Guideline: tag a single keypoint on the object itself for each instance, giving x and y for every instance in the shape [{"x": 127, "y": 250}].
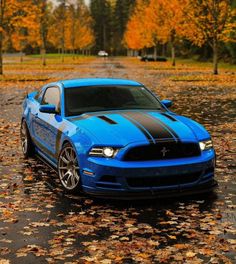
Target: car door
[{"x": 45, "y": 125}]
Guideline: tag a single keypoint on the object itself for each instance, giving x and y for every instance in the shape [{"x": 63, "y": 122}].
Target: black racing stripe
[
  {"x": 156, "y": 130},
  {"x": 165, "y": 125},
  {"x": 169, "y": 117},
  {"x": 107, "y": 119},
  {"x": 149, "y": 138}
]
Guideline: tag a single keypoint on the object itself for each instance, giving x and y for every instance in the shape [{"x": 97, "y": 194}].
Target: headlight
[
  {"x": 205, "y": 145},
  {"x": 107, "y": 152}
]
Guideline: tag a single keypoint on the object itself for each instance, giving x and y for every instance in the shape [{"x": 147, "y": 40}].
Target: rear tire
[
  {"x": 68, "y": 169},
  {"x": 26, "y": 142}
]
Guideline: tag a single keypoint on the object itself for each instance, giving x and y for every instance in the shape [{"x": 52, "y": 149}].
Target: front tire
[
  {"x": 68, "y": 169},
  {"x": 26, "y": 142}
]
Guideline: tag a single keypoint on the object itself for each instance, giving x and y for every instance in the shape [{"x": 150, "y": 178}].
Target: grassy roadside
[
  {"x": 188, "y": 64},
  {"x": 194, "y": 63},
  {"x": 32, "y": 70}
]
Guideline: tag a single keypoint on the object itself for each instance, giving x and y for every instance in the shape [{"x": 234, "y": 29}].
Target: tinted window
[
  {"x": 52, "y": 96},
  {"x": 101, "y": 98}
]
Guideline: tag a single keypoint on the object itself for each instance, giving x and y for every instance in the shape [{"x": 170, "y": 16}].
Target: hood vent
[
  {"x": 169, "y": 116},
  {"x": 108, "y": 120}
]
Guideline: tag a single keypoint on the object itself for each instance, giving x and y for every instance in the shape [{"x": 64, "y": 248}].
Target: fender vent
[
  {"x": 108, "y": 120},
  {"x": 169, "y": 116}
]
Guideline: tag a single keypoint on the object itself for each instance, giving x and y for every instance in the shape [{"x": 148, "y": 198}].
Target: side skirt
[{"x": 46, "y": 160}]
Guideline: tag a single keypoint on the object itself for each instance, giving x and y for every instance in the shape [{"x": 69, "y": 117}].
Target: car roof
[{"x": 97, "y": 81}]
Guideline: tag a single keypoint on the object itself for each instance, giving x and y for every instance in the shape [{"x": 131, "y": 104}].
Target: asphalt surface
[{"x": 39, "y": 223}]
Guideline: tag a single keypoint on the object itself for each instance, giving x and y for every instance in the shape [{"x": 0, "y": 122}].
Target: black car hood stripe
[
  {"x": 156, "y": 119},
  {"x": 145, "y": 132},
  {"x": 107, "y": 119},
  {"x": 156, "y": 129}
]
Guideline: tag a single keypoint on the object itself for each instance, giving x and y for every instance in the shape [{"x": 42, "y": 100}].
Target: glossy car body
[{"x": 157, "y": 151}]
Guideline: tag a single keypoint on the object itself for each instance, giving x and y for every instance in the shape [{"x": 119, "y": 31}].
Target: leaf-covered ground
[{"x": 41, "y": 224}]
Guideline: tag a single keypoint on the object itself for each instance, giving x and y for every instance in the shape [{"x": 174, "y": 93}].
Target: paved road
[{"x": 41, "y": 224}]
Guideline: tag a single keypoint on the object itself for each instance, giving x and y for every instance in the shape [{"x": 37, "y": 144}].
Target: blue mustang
[{"x": 113, "y": 137}]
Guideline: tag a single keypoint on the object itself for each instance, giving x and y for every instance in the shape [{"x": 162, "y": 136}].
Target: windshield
[{"x": 80, "y": 100}]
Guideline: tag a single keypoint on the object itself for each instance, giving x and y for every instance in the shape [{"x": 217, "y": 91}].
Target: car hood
[{"x": 124, "y": 127}]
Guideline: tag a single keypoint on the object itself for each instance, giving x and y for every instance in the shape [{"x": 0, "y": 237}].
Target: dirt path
[{"x": 40, "y": 224}]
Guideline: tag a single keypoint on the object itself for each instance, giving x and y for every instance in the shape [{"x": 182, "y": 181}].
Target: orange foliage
[
  {"x": 155, "y": 22},
  {"x": 160, "y": 21},
  {"x": 19, "y": 22},
  {"x": 138, "y": 34},
  {"x": 209, "y": 20},
  {"x": 74, "y": 31}
]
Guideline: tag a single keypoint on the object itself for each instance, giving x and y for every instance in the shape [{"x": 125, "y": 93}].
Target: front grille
[
  {"x": 163, "y": 151},
  {"x": 160, "y": 181}
]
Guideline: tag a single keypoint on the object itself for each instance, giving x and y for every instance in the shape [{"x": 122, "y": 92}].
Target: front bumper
[
  {"x": 147, "y": 179},
  {"x": 152, "y": 193}
]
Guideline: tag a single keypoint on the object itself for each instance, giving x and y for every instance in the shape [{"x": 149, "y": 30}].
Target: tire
[
  {"x": 68, "y": 169},
  {"x": 26, "y": 141}
]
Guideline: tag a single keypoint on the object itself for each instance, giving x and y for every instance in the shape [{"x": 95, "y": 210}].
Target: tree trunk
[
  {"x": 173, "y": 54},
  {"x": 143, "y": 52},
  {"x": 62, "y": 55},
  {"x": 104, "y": 37},
  {"x": 155, "y": 53},
  {"x": 1, "y": 64},
  {"x": 43, "y": 56},
  {"x": 21, "y": 56},
  {"x": 163, "y": 52},
  {"x": 215, "y": 57}
]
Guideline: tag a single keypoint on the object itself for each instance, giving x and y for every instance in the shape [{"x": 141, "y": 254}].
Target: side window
[{"x": 52, "y": 96}]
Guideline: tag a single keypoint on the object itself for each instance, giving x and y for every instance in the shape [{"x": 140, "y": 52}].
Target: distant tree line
[
  {"x": 206, "y": 28},
  {"x": 34, "y": 26},
  {"x": 110, "y": 20},
  {"x": 187, "y": 27}
]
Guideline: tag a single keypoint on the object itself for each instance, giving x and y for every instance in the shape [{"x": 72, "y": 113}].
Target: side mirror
[
  {"x": 167, "y": 103},
  {"x": 48, "y": 108}
]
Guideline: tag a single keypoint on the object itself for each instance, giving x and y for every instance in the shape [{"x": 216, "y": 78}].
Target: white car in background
[{"x": 102, "y": 53}]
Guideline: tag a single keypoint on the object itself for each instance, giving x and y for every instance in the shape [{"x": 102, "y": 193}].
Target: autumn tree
[
  {"x": 101, "y": 12},
  {"x": 84, "y": 37},
  {"x": 71, "y": 28},
  {"x": 166, "y": 19},
  {"x": 25, "y": 32},
  {"x": 2, "y": 16},
  {"x": 122, "y": 11},
  {"x": 43, "y": 19},
  {"x": 137, "y": 36},
  {"x": 212, "y": 22},
  {"x": 56, "y": 29},
  {"x": 14, "y": 14}
]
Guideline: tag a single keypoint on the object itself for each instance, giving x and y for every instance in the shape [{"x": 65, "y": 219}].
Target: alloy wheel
[
  {"x": 68, "y": 168},
  {"x": 24, "y": 137}
]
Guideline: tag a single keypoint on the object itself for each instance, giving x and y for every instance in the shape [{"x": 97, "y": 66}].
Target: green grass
[
  {"x": 200, "y": 64},
  {"x": 56, "y": 55}
]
